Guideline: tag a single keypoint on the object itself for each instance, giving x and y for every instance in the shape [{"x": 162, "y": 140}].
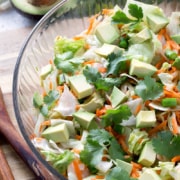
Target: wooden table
[{"x": 14, "y": 29}]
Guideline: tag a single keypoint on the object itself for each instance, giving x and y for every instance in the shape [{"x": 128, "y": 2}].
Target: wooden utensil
[
  {"x": 20, "y": 146},
  {"x": 5, "y": 170}
]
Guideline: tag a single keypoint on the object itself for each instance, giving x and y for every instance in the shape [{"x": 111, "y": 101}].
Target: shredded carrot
[
  {"x": 91, "y": 23},
  {"x": 77, "y": 169},
  {"x": 121, "y": 140},
  {"x": 60, "y": 88},
  {"x": 136, "y": 167},
  {"x": 92, "y": 61},
  {"x": 102, "y": 69},
  {"x": 134, "y": 97},
  {"x": 161, "y": 33},
  {"x": 78, "y": 107},
  {"x": 107, "y": 11},
  {"x": 175, "y": 159},
  {"x": 174, "y": 126},
  {"x": 50, "y": 61},
  {"x": 32, "y": 136},
  {"x": 110, "y": 130},
  {"x": 171, "y": 93},
  {"x": 87, "y": 46},
  {"x": 99, "y": 177},
  {"x": 50, "y": 85},
  {"x": 78, "y": 37},
  {"x": 78, "y": 137},
  {"x": 138, "y": 108},
  {"x": 77, "y": 151},
  {"x": 158, "y": 128},
  {"x": 45, "y": 123},
  {"x": 44, "y": 93},
  {"x": 100, "y": 112}
]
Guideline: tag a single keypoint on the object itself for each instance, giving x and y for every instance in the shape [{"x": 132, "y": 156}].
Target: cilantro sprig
[
  {"x": 98, "y": 143},
  {"x": 101, "y": 83},
  {"x": 149, "y": 89},
  {"x": 134, "y": 10},
  {"x": 114, "y": 117},
  {"x": 166, "y": 144}
]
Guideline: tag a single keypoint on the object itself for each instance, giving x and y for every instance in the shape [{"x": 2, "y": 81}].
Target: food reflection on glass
[{"x": 110, "y": 99}]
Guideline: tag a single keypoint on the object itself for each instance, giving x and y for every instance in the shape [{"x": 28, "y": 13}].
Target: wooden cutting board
[{"x": 14, "y": 29}]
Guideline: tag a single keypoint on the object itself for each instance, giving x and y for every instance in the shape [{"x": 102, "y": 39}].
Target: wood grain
[
  {"x": 17, "y": 142},
  {"x": 5, "y": 170}
]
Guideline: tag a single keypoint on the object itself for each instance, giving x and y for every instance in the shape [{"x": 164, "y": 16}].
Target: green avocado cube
[
  {"x": 107, "y": 32},
  {"x": 149, "y": 174},
  {"x": 156, "y": 22},
  {"x": 148, "y": 155},
  {"x": 124, "y": 165},
  {"x": 80, "y": 86},
  {"x": 117, "y": 97},
  {"x": 45, "y": 70},
  {"x": 57, "y": 133},
  {"x": 141, "y": 69},
  {"x": 176, "y": 38},
  {"x": 146, "y": 119},
  {"x": 141, "y": 36},
  {"x": 107, "y": 49},
  {"x": 84, "y": 118}
]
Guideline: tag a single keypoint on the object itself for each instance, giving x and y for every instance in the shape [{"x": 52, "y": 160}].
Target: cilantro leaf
[
  {"x": 166, "y": 144},
  {"x": 51, "y": 98},
  {"x": 107, "y": 83},
  {"x": 101, "y": 83},
  {"x": 98, "y": 143},
  {"x": 59, "y": 161},
  {"x": 92, "y": 74},
  {"x": 114, "y": 117},
  {"x": 120, "y": 18},
  {"x": 135, "y": 11},
  {"x": 116, "y": 64},
  {"x": 118, "y": 173},
  {"x": 66, "y": 63},
  {"x": 149, "y": 89}
]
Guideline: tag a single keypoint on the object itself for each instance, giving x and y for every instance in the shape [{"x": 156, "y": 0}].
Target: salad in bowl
[{"x": 109, "y": 102}]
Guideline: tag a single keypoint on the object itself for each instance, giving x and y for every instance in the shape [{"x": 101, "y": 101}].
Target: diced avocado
[
  {"x": 95, "y": 101},
  {"x": 140, "y": 37},
  {"x": 84, "y": 118},
  {"x": 148, "y": 155},
  {"x": 174, "y": 26},
  {"x": 107, "y": 49},
  {"x": 156, "y": 22},
  {"x": 117, "y": 97},
  {"x": 107, "y": 32},
  {"x": 141, "y": 69},
  {"x": 146, "y": 119},
  {"x": 124, "y": 165},
  {"x": 37, "y": 100},
  {"x": 146, "y": 8},
  {"x": 176, "y": 38},
  {"x": 57, "y": 133},
  {"x": 149, "y": 174},
  {"x": 80, "y": 86},
  {"x": 45, "y": 70}
]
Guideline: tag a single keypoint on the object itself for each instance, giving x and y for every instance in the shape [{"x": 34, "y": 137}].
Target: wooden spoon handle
[
  {"x": 19, "y": 145},
  {"x": 5, "y": 170}
]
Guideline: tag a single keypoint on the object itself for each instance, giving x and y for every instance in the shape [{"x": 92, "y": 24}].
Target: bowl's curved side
[{"x": 68, "y": 18}]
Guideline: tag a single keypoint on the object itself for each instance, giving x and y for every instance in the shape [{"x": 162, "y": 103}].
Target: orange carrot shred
[
  {"x": 123, "y": 144},
  {"x": 102, "y": 69},
  {"x": 158, "y": 128},
  {"x": 175, "y": 159},
  {"x": 174, "y": 126},
  {"x": 77, "y": 169}
]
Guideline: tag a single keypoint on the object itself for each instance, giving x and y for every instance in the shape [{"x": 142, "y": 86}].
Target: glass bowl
[{"x": 68, "y": 18}]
